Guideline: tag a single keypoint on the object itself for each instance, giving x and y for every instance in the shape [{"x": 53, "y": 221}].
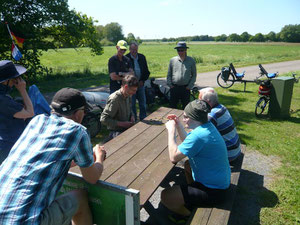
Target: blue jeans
[{"x": 141, "y": 97}]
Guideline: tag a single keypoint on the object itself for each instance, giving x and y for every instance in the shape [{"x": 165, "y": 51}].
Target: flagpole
[{"x": 9, "y": 33}]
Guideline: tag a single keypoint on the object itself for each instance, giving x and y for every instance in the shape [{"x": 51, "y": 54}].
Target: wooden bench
[{"x": 219, "y": 215}]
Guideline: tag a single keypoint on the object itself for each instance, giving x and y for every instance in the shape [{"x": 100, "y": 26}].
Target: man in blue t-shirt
[
  {"x": 12, "y": 113},
  {"x": 221, "y": 118},
  {"x": 207, "y": 170}
]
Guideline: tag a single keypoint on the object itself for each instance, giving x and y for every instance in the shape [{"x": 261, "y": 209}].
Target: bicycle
[
  {"x": 229, "y": 76},
  {"x": 262, "y": 105}
]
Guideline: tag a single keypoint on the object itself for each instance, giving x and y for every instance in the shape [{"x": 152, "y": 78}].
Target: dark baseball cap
[{"x": 67, "y": 100}]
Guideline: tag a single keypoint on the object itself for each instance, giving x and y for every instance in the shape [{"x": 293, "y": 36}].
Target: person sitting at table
[
  {"x": 38, "y": 164},
  {"x": 117, "y": 114},
  {"x": 12, "y": 113},
  {"x": 221, "y": 118},
  {"x": 207, "y": 170}
]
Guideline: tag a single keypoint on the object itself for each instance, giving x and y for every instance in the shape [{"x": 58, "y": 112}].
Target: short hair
[
  {"x": 134, "y": 43},
  {"x": 209, "y": 95},
  {"x": 130, "y": 80}
]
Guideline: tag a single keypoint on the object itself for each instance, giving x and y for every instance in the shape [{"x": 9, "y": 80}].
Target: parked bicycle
[
  {"x": 264, "y": 91},
  {"x": 229, "y": 76}
]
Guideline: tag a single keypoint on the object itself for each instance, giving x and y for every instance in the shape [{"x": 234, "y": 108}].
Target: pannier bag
[
  {"x": 264, "y": 88},
  {"x": 225, "y": 71}
]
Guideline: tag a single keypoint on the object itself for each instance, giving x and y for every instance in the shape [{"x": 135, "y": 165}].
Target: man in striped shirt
[
  {"x": 38, "y": 164},
  {"x": 223, "y": 121}
]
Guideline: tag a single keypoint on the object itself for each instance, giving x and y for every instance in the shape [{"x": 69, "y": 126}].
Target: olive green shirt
[
  {"x": 118, "y": 108},
  {"x": 182, "y": 73}
]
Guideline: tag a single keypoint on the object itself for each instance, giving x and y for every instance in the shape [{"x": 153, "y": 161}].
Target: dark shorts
[{"x": 197, "y": 195}]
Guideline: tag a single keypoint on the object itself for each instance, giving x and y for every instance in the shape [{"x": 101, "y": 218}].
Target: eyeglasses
[
  {"x": 123, "y": 50},
  {"x": 181, "y": 50},
  {"x": 185, "y": 116}
]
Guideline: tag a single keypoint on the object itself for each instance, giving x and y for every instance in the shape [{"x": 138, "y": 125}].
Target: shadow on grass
[{"x": 251, "y": 197}]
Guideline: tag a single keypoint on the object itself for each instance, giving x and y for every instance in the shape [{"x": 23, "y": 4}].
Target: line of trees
[{"x": 289, "y": 33}]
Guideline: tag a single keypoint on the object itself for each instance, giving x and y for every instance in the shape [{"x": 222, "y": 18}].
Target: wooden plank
[
  {"x": 221, "y": 213},
  {"x": 128, "y": 135},
  {"x": 150, "y": 179},
  {"x": 150, "y": 147}
]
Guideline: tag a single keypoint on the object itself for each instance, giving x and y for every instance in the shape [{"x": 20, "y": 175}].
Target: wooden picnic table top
[{"x": 138, "y": 158}]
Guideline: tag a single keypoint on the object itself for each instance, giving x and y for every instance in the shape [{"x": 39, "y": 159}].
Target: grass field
[
  {"x": 278, "y": 138},
  {"x": 209, "y": 57}
]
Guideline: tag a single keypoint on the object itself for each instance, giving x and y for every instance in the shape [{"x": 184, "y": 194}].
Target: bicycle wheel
[
  {"x": 262, "y": 106},
  {"x": 225, "y": 84}
]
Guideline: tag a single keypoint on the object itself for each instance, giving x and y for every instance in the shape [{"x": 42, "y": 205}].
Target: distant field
[{"x": 209, "y": 56}]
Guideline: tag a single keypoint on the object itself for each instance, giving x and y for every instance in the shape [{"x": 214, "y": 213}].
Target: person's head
[
  {"x": 70, "y": 103},
  {"x": 195, "y": 113},
  {"x": 129, "y": 85},
  {"x": 181, "y": 48},
  {"x": 121, "y": 47},
  {"x": 133, "y": 48},
  {"x": 9, "y": 72},
  {"x": 209, "y": 95}
]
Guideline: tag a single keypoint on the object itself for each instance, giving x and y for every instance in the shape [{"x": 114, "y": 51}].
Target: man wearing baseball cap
[
  {"x": 207, "y": 170},
  {"x": 12, "y": 113},
  {"x": 38, "y": 164},
  {"x": 119, "y": 66}
]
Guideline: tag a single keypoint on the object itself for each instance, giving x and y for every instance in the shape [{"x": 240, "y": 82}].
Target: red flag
[{"x": 18, "y": 41}]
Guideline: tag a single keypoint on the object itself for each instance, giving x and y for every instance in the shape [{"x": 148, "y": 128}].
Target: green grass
[
  {"x": 270, "y": 137},
  {"x": 279, "y": 138},
  {"x": 209, "y": 57}
]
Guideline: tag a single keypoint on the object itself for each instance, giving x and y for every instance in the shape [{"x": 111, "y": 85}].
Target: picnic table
[{"x": 138, "y": 159}]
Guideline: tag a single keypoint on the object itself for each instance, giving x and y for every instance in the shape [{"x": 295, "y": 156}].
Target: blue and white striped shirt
[
  {"x": 223, "y": 121},
  {"x": 37, "y": 165}
]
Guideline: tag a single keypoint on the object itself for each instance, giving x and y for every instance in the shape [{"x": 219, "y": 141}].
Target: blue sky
[{"x": 175, "y": 18}]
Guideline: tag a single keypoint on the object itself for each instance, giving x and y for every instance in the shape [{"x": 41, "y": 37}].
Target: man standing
[
  {"x": 181, "y": 76},
  {"x": 223, "y": 121},
  {"x": 117, "y": 114},
  {"x": 38, "y": 164},
  {"x": 12, "y": 113},
  {"x": 119, "y": 66},
  {"x": 142, "y": 73}
]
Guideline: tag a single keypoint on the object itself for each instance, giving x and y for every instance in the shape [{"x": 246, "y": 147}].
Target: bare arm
[
  {"x": 182, "y": 133},
  {"x": 27, "y": 111},
  {"x": 93, "y": 173},
  {"x": 174, "y": 154}
]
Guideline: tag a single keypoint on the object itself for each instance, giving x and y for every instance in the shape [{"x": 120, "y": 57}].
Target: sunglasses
[{"x": 181, "y": 50}]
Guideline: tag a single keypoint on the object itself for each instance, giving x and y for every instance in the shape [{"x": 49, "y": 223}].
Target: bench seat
[{"x": 219, "y": 215}]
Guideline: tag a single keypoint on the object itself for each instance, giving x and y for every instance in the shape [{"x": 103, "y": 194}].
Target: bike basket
[
  {"x": 264, "y": 88},
  {"x": 225, "y": 71}
]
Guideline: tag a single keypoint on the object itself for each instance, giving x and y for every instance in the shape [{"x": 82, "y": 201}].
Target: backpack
[
  {"x": 150, "y": 95},
  {"x": 91, "y": 120}
]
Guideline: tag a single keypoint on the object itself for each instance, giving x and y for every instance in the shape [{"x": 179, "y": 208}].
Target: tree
[
  {"x": 130, "y": 38},
  {"x": 245, "y": 36},
  {"x": 222, "y": 37},
  {"x": 271, "y": 36},
  {"x": 234, "y": 38},
  {"x": 259, "y": 37},
  {"x": 290, "y": 33},
  {"x": 44, "y": 25},
  {"x": 113, "y": 32}
]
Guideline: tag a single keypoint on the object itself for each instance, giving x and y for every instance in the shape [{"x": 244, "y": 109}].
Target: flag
[
  {"x": 15, "y": 52},
  {"x": 17, "y": 40}
]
